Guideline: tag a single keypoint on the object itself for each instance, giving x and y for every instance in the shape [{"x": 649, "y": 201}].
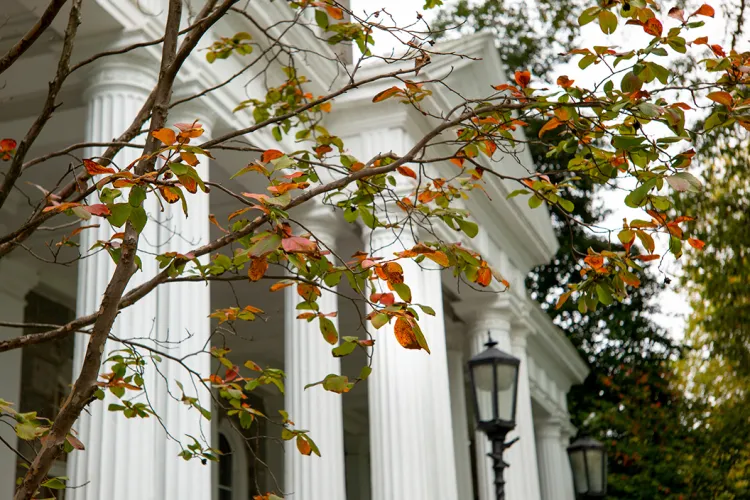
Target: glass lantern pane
[
  {"x": 506, "y": 385},
  {"x": 483, "y": 386},
  {"x": 578, "y": 464},
  {"x": 595, "y": 463}
]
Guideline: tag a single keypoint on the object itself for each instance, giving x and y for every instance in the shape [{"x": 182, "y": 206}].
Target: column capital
[
  {"x": 194, "y": 110},
  {"x": 550, "y": 427},
  {"x": 488, "y": 310},
  {"x": 129, "y": 73}
]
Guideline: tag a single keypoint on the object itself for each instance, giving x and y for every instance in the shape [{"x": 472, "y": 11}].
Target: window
[
  {"x": 46, "y": 374},
  {"x": 226, "y": 474}
]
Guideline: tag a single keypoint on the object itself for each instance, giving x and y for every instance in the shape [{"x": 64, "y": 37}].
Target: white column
[
  {"x": 551, "y": 470},
  {"x": 183, "y": 324},
  {"x": 438, "y": 398},
  {"x": 461, "y": 441},
  {"x": 17, "y": 280},
  {"x": 116, "y": 448},
  {"x": 308, "y": 359},
  {"x": 402, "y": 451},
  {"x": 526, "y": 446},
  {"x": 134, "y": 458},
  {"x": 567, "y": 472},
  {"x": 494, "y": 317}
]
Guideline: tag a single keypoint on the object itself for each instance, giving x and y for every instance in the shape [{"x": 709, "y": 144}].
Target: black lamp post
[
  {"x": 494, "y": 382},
  {"x": 588, "y": 460}
]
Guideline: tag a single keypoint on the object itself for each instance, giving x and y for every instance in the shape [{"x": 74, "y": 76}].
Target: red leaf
[
  {"x": 99, "y": 209},
  {"x": 93, "y": 168},
  {"x": 677, "y": 13},
  {"x": 7, "y": 145},
  {"x": 653, "y": 27},
  {"x": 271, "y": 154},
  {"x": 705, "y": 10},
  {"x": 522, "y": 78},
  {"x": 647, "y": 258},
  {"x": 298, "y": 244}
]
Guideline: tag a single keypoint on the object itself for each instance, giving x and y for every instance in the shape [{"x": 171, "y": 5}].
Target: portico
[{"x": 406, "y": 432}]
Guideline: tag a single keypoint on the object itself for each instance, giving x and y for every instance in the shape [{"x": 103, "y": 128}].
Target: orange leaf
[
  {"x": 439, "y": 258},
  {"x": 564, "y": 81},
  {"x": 279, "y": 286},
  {"x": 258, "y": 267},
  {"x": 721, "y": 97},
  {"x": 522, "y": 78},
  {"x": 287, "y": 186},
  {"x": 595, "y": 261},
  {"x": 189, "y": 158},
  {"x": 705, "y": 10},
  {"x": 550, "y": 125},
  {"x": 165, "y": 135},
  {"x": 406, "y": 171},
  {"x": 335, "y": 12},
  {"x": 170, "y": 194},
  {"x": 696, "y": 243},
  {"x": 271, "y": 154},
  {"x": 701, "y": 40},
  {"x": 647, "y": 258},
  {"x": 653, "y": 27},
  {"x": 484, "y": 276},
  {"x": 303, "y": 446},
  {"x": 404, "y": 332},
  {"x": 93, "y": 168},
  {"x": 382, "y": 96}
]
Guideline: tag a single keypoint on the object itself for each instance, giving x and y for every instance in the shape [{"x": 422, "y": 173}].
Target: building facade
[{"x": 405, "y": 433}]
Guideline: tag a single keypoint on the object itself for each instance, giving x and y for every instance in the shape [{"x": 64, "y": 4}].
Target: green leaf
[
  {"x": 607, "y": 22},
  {"x": 344, "y": 349},
  {"x": 379, "y": 320},
  {"x": 365, "y": 372},
  {"x": 471, "y": 229},
  {"x": 535, "y": 202},
  {"x": 588, "y": 15},
  {"x": 119, "y": 213},
  {"x": 636, "y": 197},
  {"x": 137, "y": 196},
  {"x": 403, "y": 291},
  {"x": 427, "y": 309},
  {"x": 138, "y": 218},
  {"x": 605, "y": 296},
  {"x": 263, "y": 244},
  {"x": 55, "y": 483},
  {"x": 336, "y": 383},
  {"x": 321, "y": 18},
  {"x": 328, "y": 329}
]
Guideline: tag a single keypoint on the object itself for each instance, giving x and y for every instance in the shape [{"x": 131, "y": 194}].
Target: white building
[{"x": 407, "y": 432}]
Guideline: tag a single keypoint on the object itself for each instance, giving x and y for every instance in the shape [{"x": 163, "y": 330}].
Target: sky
[{"x": 673, "y": 304}]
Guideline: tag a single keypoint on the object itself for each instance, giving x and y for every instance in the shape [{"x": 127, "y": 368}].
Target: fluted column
[
  {"x": 136, "y": 458},
  {"x": 184, "y": 326},
  {"x": 402, "y": 451},
  {"x": 526, "y": 446},
  {"x": 308, "y": 359},
  {"x": 117, "y": 448},
  {"x": 461, "y": 441},
  {"x": 492, "y": 316},
  {"x": 438, "y": 399},
  {"x": 550, "y": 459}
]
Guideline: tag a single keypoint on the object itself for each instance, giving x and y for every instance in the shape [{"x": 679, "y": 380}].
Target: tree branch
[{"x": 32, "y": 35}]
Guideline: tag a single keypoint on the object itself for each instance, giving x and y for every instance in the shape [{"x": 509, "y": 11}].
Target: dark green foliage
[{"x": 531, "y": 34}]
